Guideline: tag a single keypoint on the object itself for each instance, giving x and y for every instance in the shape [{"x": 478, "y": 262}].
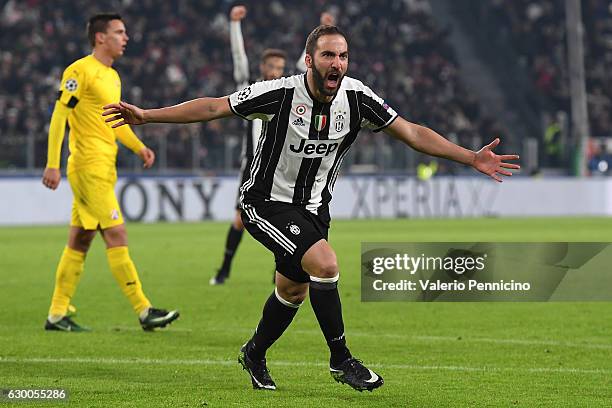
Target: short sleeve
[
  {"x": 375, "y": 113},
  {"x": 72, "y": 86},
  {"x": 260, "y": 100}
]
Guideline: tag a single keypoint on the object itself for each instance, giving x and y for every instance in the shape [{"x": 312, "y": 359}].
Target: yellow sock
[
  {"x": 67, "y": 277},
  {"x": 125, "y": 273}
]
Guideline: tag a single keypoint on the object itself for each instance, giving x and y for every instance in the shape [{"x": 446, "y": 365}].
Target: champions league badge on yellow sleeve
[{"x": 71, "y": 85}]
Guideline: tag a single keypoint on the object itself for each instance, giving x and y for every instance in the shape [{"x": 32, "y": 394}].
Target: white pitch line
[{"x": 207, "y": 362}]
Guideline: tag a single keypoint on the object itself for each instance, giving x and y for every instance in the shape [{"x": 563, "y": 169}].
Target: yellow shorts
[{"x": 94, "y": 201}]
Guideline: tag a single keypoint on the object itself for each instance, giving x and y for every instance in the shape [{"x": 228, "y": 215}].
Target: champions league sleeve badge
[
  {"x": 243, "y": 95},
  {"x": 71, "y": 85}
]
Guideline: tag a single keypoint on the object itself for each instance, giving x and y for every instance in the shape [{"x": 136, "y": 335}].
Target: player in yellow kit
[{"x": 88, "y": 84}]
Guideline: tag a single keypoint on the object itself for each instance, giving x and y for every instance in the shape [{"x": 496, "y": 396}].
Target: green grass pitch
[{"x": 430, "y": 354}]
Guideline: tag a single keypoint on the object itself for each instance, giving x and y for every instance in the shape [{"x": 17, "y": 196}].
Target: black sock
[
  {"x": 275, "y": 318},
  {"x": 233, "y": 239},
  {"x": 325, "y": 302}
]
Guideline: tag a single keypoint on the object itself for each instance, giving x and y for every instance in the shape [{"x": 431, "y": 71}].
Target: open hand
[
  {"x": 124, "y": 113},
  {"x": 491, "y": 164}
]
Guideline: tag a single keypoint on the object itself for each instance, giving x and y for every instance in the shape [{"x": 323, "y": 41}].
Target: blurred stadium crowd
[
  {"x": 537, "y": 30},
  {"x": 180, "y": 50}
]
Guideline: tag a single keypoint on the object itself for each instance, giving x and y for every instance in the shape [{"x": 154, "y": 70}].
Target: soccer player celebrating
[
  {"x": 87, "y": 84},
  {"x": 272, "y": 66},
  {"x": 310, "y": 121}
]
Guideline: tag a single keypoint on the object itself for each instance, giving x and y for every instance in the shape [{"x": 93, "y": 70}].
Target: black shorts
[
  {"x": 288, "y": 231},
  {"x": 245, "y": 172}
]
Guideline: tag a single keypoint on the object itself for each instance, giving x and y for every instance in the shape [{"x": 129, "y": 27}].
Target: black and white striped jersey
[{"x": 303, "y": 141}]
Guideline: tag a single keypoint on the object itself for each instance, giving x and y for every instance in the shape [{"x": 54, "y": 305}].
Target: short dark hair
[
  {"x": 320, "y": 31},
  {"x": 273, "y": 52},
  {"x": 98, "y": 24}
]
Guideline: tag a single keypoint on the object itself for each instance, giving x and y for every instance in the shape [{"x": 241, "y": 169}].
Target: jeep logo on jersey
[
  {"x": 313, "y": 148},
  {"x": 320, "y": 122}
]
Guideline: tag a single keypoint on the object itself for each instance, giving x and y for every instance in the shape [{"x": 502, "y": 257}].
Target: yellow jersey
[{"x": 87, "y": 85}]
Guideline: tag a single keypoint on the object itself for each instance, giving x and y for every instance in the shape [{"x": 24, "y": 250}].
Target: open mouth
[{"x": 332, "y": 80}]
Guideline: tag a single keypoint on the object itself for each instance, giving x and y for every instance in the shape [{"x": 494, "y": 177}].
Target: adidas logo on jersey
[{"x": 298, "y": 122}]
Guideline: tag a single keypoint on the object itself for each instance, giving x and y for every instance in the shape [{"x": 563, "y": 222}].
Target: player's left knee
[{"x": 328, "y": 269}]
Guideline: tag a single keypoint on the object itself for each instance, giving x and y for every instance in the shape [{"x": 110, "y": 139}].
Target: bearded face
[
  {"x": 327, "y": 82},
  {"x": 329, "y": 64}
]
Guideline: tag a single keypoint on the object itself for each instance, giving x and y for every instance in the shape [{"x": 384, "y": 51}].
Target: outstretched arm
[
  {"x": 239, "y": 56},
  {"x": 427, "y": 141},
  {"x": 195, "y": 110}
]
